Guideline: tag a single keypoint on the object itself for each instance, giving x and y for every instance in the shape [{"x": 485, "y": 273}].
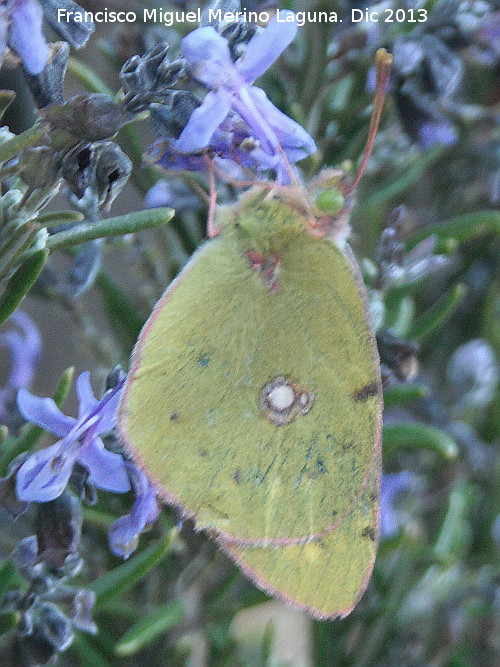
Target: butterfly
[{"x": 254, "y": 398}]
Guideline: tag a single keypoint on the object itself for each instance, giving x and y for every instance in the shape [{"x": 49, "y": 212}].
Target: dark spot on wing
[
  {"x": 347, "y": 445},
  {"x": 203, "y": 360},
  {"x": 174, "y": 416},
  {"x": 203, "y": 452},
  {"x": 365, "y": 392},
  {"x": 321, "y": 467},
  {"x": 369, "y": 531},
  {"x": 237, "y": 476}
]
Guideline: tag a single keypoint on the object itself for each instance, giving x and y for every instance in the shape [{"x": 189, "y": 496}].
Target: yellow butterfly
[{"x": 254, "y": 399}]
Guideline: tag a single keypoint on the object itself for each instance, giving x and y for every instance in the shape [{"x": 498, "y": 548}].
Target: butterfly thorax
[
  {"x": 267, "y": 221},
  {"x": 260, "y": 223}
]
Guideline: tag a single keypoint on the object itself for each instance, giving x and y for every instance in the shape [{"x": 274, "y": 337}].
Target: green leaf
[
  {"x": 19, "y": 284},
  {"x": 88, "y": 654},
  {"x": 267, "y": 643},
  {"x": 88, "y": 77},
  {"x": 434, "y": 318},
  {"x": 9, "y": 578},
  {"x": 6, "y": 99},
  {"x": 491, "y": 317},
  {"x": 124, "y": 576},
  {"x": 399, "y": 312},
  {"x": 27, "y": 441},
  {"x": 8, "y": 620},
  {"x": 11, "y": 147},
  {"x": 123, "y": 224},
  {"x": 121, "y": 314},
  {"x": 463, "y": 227},
  {"x": 220, "y": 634},
  {"x": 415, "y": 436},
  {"x": 375, "y": 637},
  {"x": 399, "y": 394},
  {"x": 455, "y": 530},
  {"x": 59, "y": 218},
  {"x": 12, "y": 251},
  {"x": 150, "y": 627},
  {"x": 399, "y": 186},
  {"x": 98, "y": 518}
]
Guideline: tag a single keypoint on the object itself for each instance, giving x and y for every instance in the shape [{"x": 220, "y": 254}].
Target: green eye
[{"x": 330, "y": 202}]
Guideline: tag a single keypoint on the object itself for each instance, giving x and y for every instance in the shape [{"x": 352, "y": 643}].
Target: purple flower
[
  {"x": 172, "y": 192},
  {"x": 45, "y": 474},
  {"x": 21, "y": 29},
  {"x": 123, "y": 534},
  {"x": 490, "y": 33},
  {"x": 162, "y": 153},
  {"x": 24, "y": 346},
  {"x": 437, "y": 132},
  {"x": 233, "y": 147},
  {"x": 393, "y": 484},
  {"x": 231, "y": 89}
]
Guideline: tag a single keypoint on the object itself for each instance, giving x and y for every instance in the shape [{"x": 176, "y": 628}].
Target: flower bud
[
  {"x": 170, "y": 119},
  {"x": 397, "y": 356},
  {"x": 71, "y": 30},
  {"x": 54, "y": 626},
  {"x": 112, "y": 170},
  {"x": 88, "y": 117},
  {"x": 58, "y": 527},
  {"x": 47, "y": 87}
]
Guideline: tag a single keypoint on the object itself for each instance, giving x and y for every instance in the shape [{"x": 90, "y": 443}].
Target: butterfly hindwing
[{"x": 325, "y": 576}]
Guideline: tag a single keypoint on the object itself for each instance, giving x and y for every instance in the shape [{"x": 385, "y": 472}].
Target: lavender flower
[
  {"x": 161, "y": 152},
  {"x": 21, "y": 27},
  {"x": 232, "y": 145},
  {"x": 437, "y": 132},
  {"x": 395, "y": 265},
  {"x": 231, "y": 89},
  {"x": 124, "y": 533},
  {"x": 490, "y": 34},
  {"x": 45, "y": 474},
  {"x": 174, "y": 193},
  {"x": 24, "y": 346},
  {"x": 393, "y": 484}
]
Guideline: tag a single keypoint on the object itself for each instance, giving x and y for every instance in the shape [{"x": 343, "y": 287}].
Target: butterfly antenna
[
  {"x": 383, "y": 64},
  {"x": 212, "y": 230},
  {"x": 290, "y": 169}
]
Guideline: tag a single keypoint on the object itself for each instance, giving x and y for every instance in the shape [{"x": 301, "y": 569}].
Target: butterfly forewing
[{"x": 257, "y": 410}]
